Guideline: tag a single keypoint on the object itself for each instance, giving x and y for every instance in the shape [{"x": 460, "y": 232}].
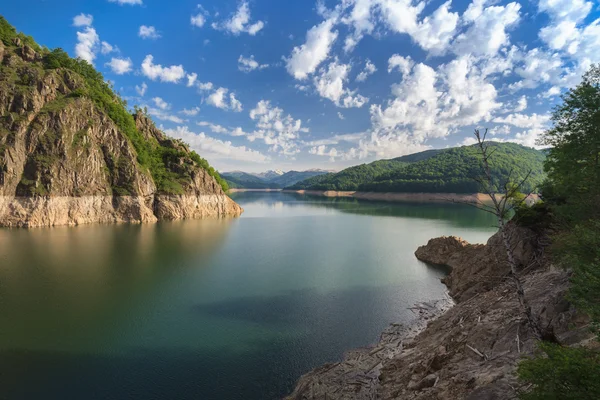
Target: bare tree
[{"x": 504, "y": 198}]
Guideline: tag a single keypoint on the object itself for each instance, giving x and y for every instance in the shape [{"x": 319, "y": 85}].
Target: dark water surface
[{"x": 212, "y": 309}]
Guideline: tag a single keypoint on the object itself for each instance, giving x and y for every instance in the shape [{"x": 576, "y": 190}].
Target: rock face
[
  {"x": 65, "y": 161},
  {"x": 478, "y": 268},
  {"x": 470, "y": 351}
]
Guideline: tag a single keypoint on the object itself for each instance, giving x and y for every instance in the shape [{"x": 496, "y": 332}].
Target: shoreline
[
  {"x": 357, "y": 374},
  {"x": 253, "y": 190},
  {"x": 395, "y": 196}
]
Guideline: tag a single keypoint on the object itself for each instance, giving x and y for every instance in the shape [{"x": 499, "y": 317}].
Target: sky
[{"x": 297, "y": 84}]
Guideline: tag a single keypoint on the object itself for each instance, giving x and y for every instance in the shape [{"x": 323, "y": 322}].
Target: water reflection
[
  {"x": 460, "y": 215},
  {"x": 69, "y": 287},
  {"x": 212, "y": 309}
]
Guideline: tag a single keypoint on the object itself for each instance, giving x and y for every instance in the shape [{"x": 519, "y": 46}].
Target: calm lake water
[{"x": 212, "y": 309}]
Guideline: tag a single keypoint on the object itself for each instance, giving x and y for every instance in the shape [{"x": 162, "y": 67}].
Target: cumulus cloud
[
  {"x": 216, "y": 149},
  {"x": 250, "y": 64},
  {"x": 198, "y": 20},
  {"x": 402, "y": 64},
  {"x": 106, "y": 48},
  {"x": 160, "y": 103},
  {"x": 277, "y": 130},
  {"x": 222, "y": 130},
  {"x": 323, "y": 150},
  {"x": 153, "y": 71},
  {"x": 220, "y": 99},
  {"x": 164, "y": 115},
  {"x": 305, "y": 59},
  {"x": 369, "y": 69},
  {"x": 329, "y": 83},
  {"x": 141, "y": 90},
  {"x": 120, "y": 66},
  {"x": 83, "y": 20},
  {"x": 240, "y": 22},
  {"x": 487, "y": 31},
  {"x": 191, "y": 79},
  {"x": 87, "y": 44},
  {"x": 148, "y": 32},
  {"x": 191, "y": 112}
]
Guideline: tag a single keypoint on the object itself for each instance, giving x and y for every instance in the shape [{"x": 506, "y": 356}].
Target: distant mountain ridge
[
  {"x": 273, "y": 179},
  {"x": 434, "y": 171}
]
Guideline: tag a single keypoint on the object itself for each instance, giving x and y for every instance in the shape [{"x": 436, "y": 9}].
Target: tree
[{"x": 505, "y": 197}]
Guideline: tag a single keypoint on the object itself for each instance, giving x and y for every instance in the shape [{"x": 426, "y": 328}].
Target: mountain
[
  {"x": 272, "y": 174},
  {"x": 292, "y": 177},
  {"x": 243, "y": 180},
  {"x": 442, "y": 171},
  {"x": 71, "y": 153},
  {"x": 268, "y": 180}
]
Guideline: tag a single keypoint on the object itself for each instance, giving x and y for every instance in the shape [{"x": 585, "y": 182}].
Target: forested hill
[{"x": 435, "y": 171}]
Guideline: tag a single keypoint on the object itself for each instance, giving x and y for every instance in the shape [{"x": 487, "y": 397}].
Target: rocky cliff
[
  {"x": 70, "y": 153},
  {"x": 471, "y": 350}
]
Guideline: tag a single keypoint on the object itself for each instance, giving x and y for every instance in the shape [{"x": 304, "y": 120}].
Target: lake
[{"x": 213, "y": 309}]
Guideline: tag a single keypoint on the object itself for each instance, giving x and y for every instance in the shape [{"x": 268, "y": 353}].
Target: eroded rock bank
[
  {"x": 471, "y": 350},
  {"x": 68, "y": 159}
]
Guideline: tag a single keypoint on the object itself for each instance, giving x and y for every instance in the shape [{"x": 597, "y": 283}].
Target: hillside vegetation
[
  {"x": 435, "y": 171},
  {"x": 157, "y": 157}
]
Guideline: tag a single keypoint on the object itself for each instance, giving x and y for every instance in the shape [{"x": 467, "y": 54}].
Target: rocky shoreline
[
  {"x": 31, "y": 212},
  {"x": 466, "y": 351},
  {"x": 414, "y": 197}
]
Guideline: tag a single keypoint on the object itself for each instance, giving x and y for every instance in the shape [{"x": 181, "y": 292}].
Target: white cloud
[
  {"x": 219, "y": 99},
  {"x": 329, "y": 83},
  {"x": 153, "y": 71},
  {"x": 573, "y": 10},
  {"x": 521, "y": 104},
  {"x": 120, "y": 66},
  {"x": 129, "y": 2},
  {"x": 524, "y": 121},
  {"x": 204, "y": 86},
  {"x": 222, "y": 130},
  {"x": 341, "y": 116},
  {"x": 198, "y": 20},
  {"x": 552, "y": 92},
  {"x": 240, "y": 22},
  {"x": 83, "y": 20},
  {"x": 87, "y": 44},
  {"x": 148, "y": 32},
  {"x": 276, "y": 129},
  {"x": 191, "y": 79},
  {"x": 141, "y": 90},
  {"x": 160, "y": 103},
  {"x": 322, "y": 150},
  {"x": 403, "y": 64},
  {"x": 305, "y": 59},
  {"x": 250, "y": 64},
  {"x": 487, "y": 32},
  {"x": 163, "y": 115},
  {"x": 106, "y": 48},
  {"x": 191, "y": 112},
  {"x": 211, "y": 148},
  {"x": 370, "y": 69}
]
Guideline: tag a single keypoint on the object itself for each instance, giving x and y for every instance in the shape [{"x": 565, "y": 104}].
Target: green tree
[{"x": 572, "y": 191}]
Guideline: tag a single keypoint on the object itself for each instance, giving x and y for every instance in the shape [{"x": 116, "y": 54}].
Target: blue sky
[{"x": 298, "y": 84}]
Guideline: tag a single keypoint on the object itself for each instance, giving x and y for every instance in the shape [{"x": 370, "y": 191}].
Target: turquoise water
[{"x": 212, "y": 309}]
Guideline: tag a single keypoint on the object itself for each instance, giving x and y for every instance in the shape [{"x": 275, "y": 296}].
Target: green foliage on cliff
[
  {"x": 151, "y": 155},
  {"x": 442, "y": 171},
  {"x": 561, "y": 373},
  {"x": 572, "y": 193}
]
